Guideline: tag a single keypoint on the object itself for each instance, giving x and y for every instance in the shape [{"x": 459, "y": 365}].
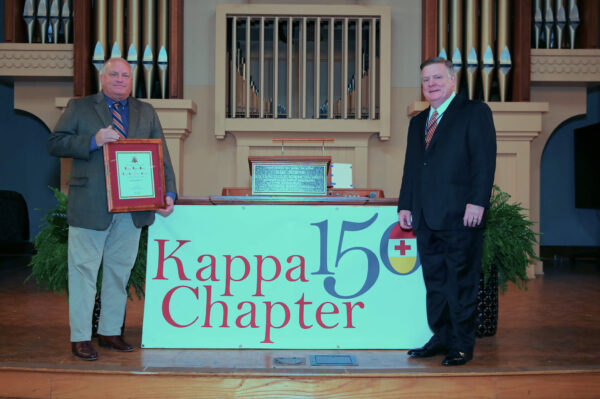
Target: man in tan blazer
[{"x": 95, "y": 235}]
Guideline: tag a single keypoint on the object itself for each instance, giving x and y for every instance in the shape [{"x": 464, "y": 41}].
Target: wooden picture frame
[{"x": 135, "y": 176}]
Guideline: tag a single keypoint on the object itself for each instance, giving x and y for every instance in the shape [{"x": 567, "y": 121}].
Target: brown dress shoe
[
  {"x": 84, "y": 350},
  {"x": 114, "y": 342}
]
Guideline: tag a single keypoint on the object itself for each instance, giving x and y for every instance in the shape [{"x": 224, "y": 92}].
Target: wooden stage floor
[{"x": 547, "y": 346}]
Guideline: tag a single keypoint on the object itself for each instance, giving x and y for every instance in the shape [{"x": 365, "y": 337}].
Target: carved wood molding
[
  {"x": 555, "y": 65},
  {"x": 36, "y": 60}
]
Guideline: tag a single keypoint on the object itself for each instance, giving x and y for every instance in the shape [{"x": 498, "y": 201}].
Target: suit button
[{"x": 424, "y": 163}]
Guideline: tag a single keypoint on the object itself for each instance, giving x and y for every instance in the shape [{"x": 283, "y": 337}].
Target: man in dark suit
[
  {"x": 95, "y": 235},
  {"x": 446, "y": 186}
]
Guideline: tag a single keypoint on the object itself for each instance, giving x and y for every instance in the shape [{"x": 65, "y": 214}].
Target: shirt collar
[
  {"x": 112, "y": 102},
  {"x": 442, "y": 108}
]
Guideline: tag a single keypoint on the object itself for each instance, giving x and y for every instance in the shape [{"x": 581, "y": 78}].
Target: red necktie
[
  {"x": 117, "y": 120},
  {"x": 431, "y": 128}
]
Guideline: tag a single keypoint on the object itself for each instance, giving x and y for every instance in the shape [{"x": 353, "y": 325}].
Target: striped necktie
[
  {"x": 118, "y": 120},
  {"x": 433, "y": 122}
]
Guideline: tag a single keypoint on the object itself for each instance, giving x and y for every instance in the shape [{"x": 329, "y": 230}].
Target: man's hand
[
  {"x": 164, "y": 212},
  {"x": 107, "y": 135},
  {"x": 473, "y": 215},
  {"x": 405, "y": 219}
]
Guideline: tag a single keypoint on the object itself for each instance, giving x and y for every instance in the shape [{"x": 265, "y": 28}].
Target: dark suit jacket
[
  {"x": 87, "y": 206},
  {"x": 457, "y": 168}
]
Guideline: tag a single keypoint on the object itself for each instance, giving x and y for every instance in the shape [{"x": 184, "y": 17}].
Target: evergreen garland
[
  {"x": 509, "y": 241},
  {"x": 49, "y": 266}
]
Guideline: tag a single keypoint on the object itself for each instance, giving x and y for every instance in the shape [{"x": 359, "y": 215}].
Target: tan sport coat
[{"x": 83, "y": 117}]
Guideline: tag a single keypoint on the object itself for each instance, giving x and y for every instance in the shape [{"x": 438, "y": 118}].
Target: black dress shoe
[
  {"x": 84, "y": 350},
  {"x": 426, "y": 351},
  {"x": 114, "y": 342},
  {"x": 456, "y": 358}
]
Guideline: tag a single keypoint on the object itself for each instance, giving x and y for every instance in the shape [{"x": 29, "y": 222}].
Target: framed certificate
[{"x": 135, "y": 176}]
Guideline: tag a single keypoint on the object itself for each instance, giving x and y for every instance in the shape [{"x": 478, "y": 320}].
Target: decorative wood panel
[
  {"x": 429, "y": 27},
  {"x": 82, "y": 41},
  {"x": 588, "y": 32},
  {"x": 238, "y": 120},
  {"x": 579, "y": 65},
  {"x": 521, "y": 85},
  {"x": 176, "y": 49},
  {"x": 14, "y": 26},
  {"x": 36, "y": 60}
]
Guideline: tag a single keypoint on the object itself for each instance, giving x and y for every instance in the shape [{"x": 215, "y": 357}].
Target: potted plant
[
  {"x": 508, "y": 249},
  {"x": 49, "y": 265}
]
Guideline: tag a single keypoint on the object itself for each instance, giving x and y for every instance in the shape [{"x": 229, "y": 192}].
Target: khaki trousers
[{"x": 117, "y": 247}]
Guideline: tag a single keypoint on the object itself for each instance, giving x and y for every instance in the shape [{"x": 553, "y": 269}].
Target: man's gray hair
[
  {"x": 439, "y": 60},
  {"x": 103, "y": 67}
]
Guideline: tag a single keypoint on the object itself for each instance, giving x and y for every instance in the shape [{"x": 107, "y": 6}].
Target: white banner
[{"x": 279, "y": 276}]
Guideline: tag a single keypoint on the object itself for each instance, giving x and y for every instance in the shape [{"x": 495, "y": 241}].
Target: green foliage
[
  {"x": 509, "y": 241},
  {"x": 137, "y": 279},
  {"x": 49, "y": 266}
]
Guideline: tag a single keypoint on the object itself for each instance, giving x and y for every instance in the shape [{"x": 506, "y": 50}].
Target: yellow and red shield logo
[{"x": 402, "y": 250}]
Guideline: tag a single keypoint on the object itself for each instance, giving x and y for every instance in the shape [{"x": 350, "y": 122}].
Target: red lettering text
[
  {"x": 229, "y": 278},
  {"x": 269, "y": 325},
  {"x": 251, "y": 313},
  {"x": 209, "y": 306},
  {"x": 321, "y": 312},
  {"x": 167, "y": 302},
  {"x": 349, "y": 307},
  {"x": 301, "y": 267},
  {"x": 259, "y": 271},
  {"x": 161, "y": 260},
  {"x": 212, "y": 266},
  {"x": 301, "y": 302}
]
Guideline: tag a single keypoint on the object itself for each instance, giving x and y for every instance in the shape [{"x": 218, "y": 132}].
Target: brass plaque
[{"x": 289, "y": 179}]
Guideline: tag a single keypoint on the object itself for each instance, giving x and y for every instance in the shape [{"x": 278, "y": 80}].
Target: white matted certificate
[{"x": 135, "y": 176}]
